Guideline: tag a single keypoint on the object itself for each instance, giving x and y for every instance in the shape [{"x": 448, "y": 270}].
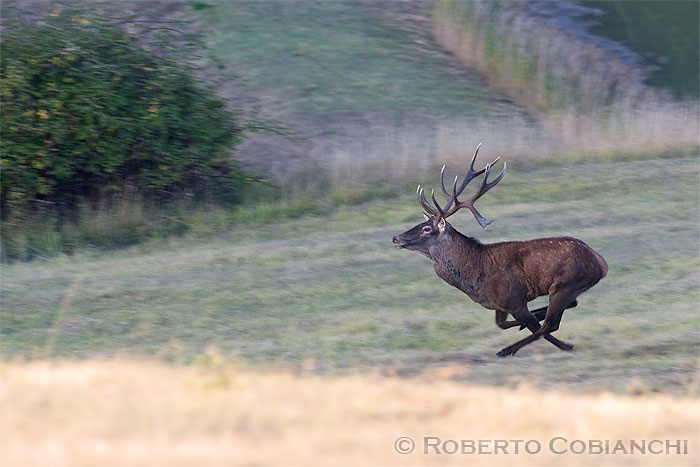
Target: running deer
[{"x": 504, "y": 276}]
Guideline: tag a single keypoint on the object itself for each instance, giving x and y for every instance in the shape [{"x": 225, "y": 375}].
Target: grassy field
[
  {"x": 124, "y": 413},
  {"x": 327, "y": 63},
  {"x": 331, "y": 293},
  {"x": 351, "y": 81}
]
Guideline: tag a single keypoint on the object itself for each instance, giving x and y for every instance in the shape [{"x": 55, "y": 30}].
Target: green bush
[{"x": 87, "y": 112}]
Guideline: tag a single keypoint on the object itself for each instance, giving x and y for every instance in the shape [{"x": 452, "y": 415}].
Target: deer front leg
[
  {"x": 555, "y": 310},
  {"x": 525, "y": 317}
]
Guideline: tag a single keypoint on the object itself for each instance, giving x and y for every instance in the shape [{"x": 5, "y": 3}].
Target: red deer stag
[{"x": 504, "y": 276}]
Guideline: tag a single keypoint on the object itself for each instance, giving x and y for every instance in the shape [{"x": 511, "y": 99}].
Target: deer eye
[{"x": 427, "y": 229}]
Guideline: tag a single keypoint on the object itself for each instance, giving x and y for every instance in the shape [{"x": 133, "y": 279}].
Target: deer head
[{"x": 420, "y": 237}]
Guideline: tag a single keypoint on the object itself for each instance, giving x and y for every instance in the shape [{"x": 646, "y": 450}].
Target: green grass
[
  {"x": 130, "y": 220},
  {"x": 669, "y": 30},
  {"x": 331, "y": 288},
  {"x": 328, "y": 63},
  {"x": 315, "y": 278}
]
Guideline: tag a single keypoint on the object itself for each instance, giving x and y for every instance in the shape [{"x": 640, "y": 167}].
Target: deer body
[
  {"x": 505, "y": 276},
  {"x": 499, "y": 275}
]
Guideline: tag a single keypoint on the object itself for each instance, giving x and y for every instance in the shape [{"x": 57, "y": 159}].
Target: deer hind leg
[
  {"x": 555, "y": 310},
  {"x": 504, "y": 323},
  {"x": 540, "y": 313}
]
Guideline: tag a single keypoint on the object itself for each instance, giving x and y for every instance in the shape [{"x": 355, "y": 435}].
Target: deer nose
[{"x": 395, "y": 240}]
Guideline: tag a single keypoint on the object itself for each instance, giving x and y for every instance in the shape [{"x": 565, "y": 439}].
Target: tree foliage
[{"x": 88, "y": 111}]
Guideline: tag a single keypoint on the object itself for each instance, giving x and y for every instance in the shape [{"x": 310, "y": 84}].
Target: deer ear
[
  {"x": 441, "y": 224},
  {"x": 426, "y": 217}
]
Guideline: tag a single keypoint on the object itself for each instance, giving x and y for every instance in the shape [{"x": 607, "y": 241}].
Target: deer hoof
[
  {"x": 566, "y": 346},
  {"x": 506, "y": 352}
]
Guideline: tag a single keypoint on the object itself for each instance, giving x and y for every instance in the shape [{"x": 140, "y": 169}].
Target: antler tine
[
  {"x": 442, "y": 183},
  {"x": 486, "y": 186},
  {"x": 448, "y": 196},
  {"x": 424, "y": 202},
  {"x": 454, "y": 192},
  {"x": 449, "y": 209},
  {"x": 471, "y": 173},
  {"x": 437, "y": 205},
  {"x": 476, "y": 151}
]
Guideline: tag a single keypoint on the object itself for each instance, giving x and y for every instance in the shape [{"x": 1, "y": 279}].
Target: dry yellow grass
[
  {"x": 412, "y": 151},
  {"x": 121, "y": 412}
]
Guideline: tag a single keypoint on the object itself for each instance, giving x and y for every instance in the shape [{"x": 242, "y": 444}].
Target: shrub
[{"x": 87, "y": 111}]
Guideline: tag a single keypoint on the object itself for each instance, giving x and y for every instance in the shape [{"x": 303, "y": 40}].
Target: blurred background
[{"x": 198, "y": 198}]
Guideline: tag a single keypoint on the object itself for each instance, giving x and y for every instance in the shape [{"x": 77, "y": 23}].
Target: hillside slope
[{"x": 352, "y": 77}]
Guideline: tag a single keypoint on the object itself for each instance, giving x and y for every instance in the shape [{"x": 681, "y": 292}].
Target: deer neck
[{"x": 458, "y": 260}]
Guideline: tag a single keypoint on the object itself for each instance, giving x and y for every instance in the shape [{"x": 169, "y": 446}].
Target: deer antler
[
  {"x": 424, "y": 202},
  {"x": 453, "y": 204}
]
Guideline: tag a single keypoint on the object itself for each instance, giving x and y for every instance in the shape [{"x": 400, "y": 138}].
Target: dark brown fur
[{"x": 505, "y": 276}]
